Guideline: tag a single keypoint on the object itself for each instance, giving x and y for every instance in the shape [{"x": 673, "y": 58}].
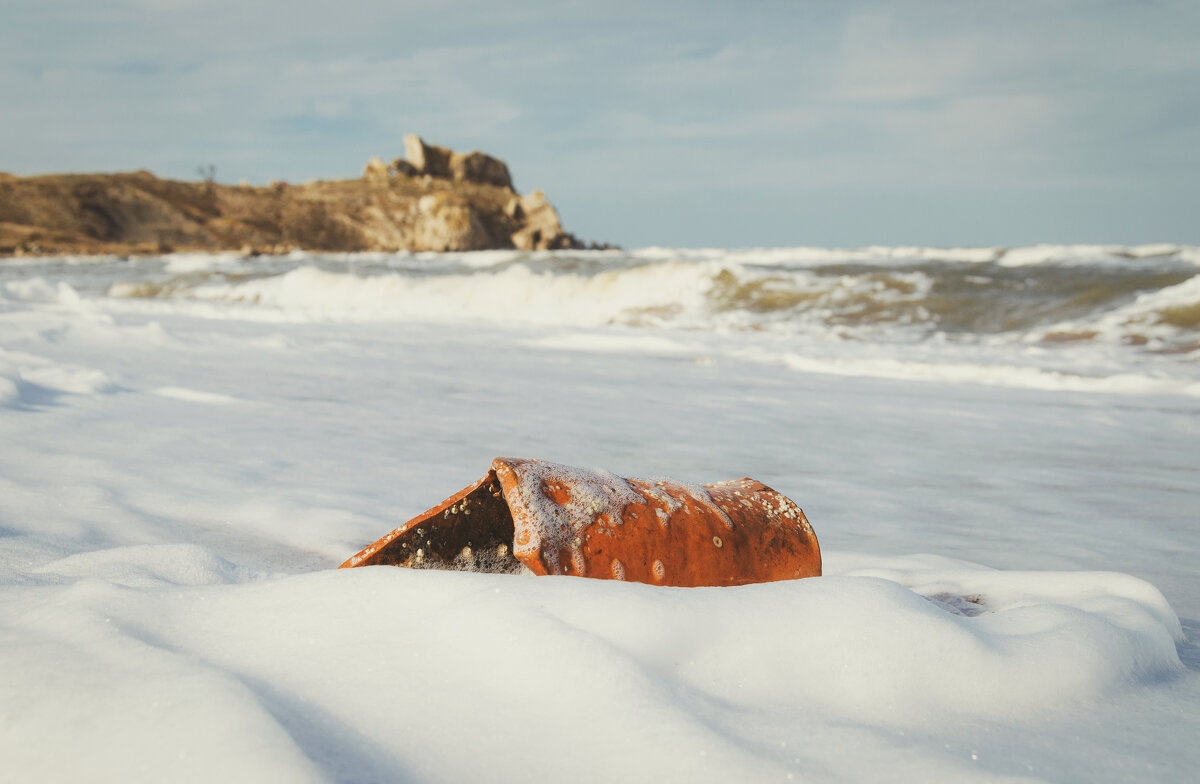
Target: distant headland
[{"x": 433, "y": 199}]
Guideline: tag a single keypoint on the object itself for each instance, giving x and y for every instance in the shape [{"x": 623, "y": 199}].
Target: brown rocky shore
[{"x": 433, "y": 199}]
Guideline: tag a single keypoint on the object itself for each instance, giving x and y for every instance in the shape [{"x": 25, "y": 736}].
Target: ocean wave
[
  {"x": 889, "y": 255},
  {"x": 513, "y": 293},
  {"x": 1167, "y": 317},
  {"x": 1070, "y": 318},
  {"x": 1152, "y": 300},
  {"x": 999, "y": 374}
]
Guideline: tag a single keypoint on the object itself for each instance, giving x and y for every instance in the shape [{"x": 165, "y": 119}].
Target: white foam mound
[
  {"x": 38, "y": 290},
  {"x": 10, "y": 381},
  {"x": 10, "y": 393},
  {"x": 148, "y": 566},
  {"x": 388, "y": 674},
  {"x": 180, "y": 263},
  {"x": 29, "y": 378}
]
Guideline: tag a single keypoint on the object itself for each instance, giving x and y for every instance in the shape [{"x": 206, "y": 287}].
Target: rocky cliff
[{"x": 432, "y": 199}]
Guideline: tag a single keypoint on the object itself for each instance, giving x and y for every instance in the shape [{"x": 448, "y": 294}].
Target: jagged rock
[
  {"x": 403, "y": 168},
  {"x": 313, "y": 224},
  {"x": 434, "y": 161},
  {"x": 475, "y": 166},
  {"x": 376, "y": 170},
  {"x": 542, "y": 229},
  {"x": 445, "y": 221},
  {"x": 427, "y": 158}
]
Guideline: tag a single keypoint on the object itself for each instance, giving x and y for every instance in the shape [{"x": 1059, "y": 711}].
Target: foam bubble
[{"x": 553, "y": 522}]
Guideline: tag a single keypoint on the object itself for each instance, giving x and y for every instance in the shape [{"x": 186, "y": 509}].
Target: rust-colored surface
[{"x": 552, "y": 519}]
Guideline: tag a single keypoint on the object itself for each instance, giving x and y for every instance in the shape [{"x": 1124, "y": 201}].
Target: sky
[{"x": 760, "y": 123}]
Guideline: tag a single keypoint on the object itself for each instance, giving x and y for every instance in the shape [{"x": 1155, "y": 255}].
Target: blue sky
[{"x": 759, "y": 123}]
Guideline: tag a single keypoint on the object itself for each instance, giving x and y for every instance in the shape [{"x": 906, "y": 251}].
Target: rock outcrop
[
  {"x": 376, "y": 170},
  {"x": 446, "y": 221},
  {"x": 422, "y": 158},
  {"x": 427, "y": 158},
  {"x": 541, "y": 228},
  {"x": 434, "y": 199}
]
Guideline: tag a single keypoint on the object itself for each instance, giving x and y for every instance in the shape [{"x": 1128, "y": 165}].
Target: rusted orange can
[{"x": 545, "y": 518}]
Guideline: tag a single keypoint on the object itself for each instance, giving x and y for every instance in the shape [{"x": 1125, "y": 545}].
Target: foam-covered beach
[{"x": 996, "y": 447}]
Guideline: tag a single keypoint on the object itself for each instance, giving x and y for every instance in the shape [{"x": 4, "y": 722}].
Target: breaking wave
[
  {"x": 1102, "y": 318},
  {"x": 1147, "y": 297}
]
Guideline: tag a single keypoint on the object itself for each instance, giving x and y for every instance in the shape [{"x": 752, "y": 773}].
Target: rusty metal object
[{"x": 545, "y": 518}]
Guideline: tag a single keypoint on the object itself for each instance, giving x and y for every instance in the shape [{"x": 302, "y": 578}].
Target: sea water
[
  {"x": 996, "y": 448},
  {"x": 1078, "y": 317}
]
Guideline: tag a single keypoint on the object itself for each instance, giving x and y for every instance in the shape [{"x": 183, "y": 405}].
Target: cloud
[
  {"x": 879, "y": 63},
  {"x": 618, "y": 101}
]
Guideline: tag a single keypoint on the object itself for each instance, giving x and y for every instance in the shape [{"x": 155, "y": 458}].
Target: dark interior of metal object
[{"x": 473, "y": 535}]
